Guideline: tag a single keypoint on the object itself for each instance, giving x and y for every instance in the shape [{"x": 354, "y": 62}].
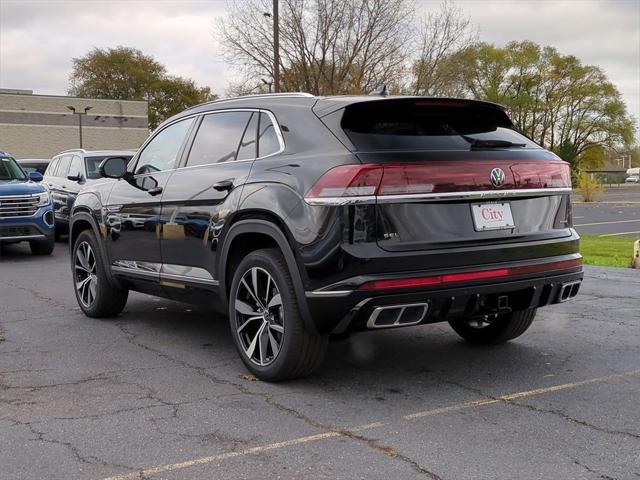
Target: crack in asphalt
[
  {"x": 533, "y": 408},
  {"x": 603, "y": 476},
  {"x": 268, "y": 398}
]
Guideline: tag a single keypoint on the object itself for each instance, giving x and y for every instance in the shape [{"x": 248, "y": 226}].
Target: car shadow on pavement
[{"x": 366, "y": 360}]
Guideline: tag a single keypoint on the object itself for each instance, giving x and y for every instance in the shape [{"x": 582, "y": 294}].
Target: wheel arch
[
  {"x": 267, "y": 234},
  {"x": 82, "y": 220}
]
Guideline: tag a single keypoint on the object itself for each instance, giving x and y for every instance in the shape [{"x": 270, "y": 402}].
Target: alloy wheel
[
  {"x": 259, "y": 316},
  {"x": 86, "y": 276}
]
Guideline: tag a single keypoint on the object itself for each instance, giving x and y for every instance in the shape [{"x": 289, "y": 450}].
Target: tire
[
  {"x": 42, "y": 247},
  {"x": 282, "y": 347},
  {"x": 98, "y": 297},
  {"x": 502, "y": 329}
]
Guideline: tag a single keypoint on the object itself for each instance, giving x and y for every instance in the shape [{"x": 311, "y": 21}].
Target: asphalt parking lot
[
  {"x": 160, "y": 393},
  {"x": 617, "y": 213}
]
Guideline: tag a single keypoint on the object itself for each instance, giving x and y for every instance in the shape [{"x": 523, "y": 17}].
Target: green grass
[{"x": 606, "y": 251}]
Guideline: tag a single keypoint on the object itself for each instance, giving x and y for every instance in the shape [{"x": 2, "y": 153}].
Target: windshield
[
  {"x": 10, "y": 170},
  {"x": 427, "y": 125},
  {"x": 92, "y": 164}
]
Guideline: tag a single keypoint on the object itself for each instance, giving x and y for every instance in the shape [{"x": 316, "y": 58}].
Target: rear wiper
[{"x": 488, "y": 143}]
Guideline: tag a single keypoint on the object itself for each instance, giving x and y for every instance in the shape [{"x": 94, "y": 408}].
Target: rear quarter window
[{"x": 426, "y": 125}]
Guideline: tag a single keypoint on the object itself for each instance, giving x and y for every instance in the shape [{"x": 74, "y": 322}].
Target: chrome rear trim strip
[{"x": 438, "y": 197}]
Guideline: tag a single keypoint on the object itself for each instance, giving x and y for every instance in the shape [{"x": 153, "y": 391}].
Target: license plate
[{"x": 491, "y": 216}]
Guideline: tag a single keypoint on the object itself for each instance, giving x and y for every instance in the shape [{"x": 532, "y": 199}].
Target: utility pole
[
  {"x": 276, "y": 47},
  {"x": 80, "y": 114}
]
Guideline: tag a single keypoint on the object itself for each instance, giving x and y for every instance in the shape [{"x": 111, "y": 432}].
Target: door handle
[
  {"x": 223, "y": 185},
  {"x": 155, "y": 191}
]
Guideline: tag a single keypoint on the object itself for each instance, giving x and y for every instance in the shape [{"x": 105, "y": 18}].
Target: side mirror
[
  {"x": 113, "y": 167},
  {"x": 35, "y": 176},
  {"x": 75, "y": 178}
]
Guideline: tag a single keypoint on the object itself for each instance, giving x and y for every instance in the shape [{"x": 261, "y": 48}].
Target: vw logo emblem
[{"x": 497, "y": 177}]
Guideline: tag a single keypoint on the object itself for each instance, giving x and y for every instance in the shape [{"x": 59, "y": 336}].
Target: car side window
[
  {"x": 218, "y": 138},
  {"x": 162, "y": 151},
  {"x": 63, "y": 166},
  {"x": 248, "y": 148},
  {"x": 268, "y": 142},
  {"x": 51, "y": 169},
  {"x": 76, "y": 166}
]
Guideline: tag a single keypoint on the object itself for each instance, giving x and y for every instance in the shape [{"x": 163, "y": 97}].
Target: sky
[{"x": 38, "y": 38}]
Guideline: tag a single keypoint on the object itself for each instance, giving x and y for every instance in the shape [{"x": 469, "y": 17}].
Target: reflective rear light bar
[
  {"x": 371, "y": 183},
  {"x": 416, "y": 282}
]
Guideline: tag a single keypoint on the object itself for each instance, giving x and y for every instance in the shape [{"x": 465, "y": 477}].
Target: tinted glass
[
  {"x": 218, "y": 138},
  {"x": 416, "y": 125},
  {"x": 10, "y": 170},
  {"x": 51, "y": 170},
  {"x": 76, "y": 166},
  {"x": 63, "y": 167},
  {"x": 92, "y": 164},
  {"x": 248, "y": 146},
  {"x": 268, "y": 140},
  {"x": 162, "y": 151}
]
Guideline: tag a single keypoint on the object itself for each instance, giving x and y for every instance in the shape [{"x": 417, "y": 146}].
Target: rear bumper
[
  {"x": 339, "y": 311},
  {"x": 39, "y": 226}
]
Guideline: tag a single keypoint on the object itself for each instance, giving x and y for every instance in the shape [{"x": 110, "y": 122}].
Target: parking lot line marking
[
  {"x": 338, "y": 433},
  {"x": 607, "y": 223},
  {"x": 619, "y": 233},
  {"x": 514, "y": 396}
]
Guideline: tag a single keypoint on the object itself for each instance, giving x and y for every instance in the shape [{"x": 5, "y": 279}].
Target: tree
[
  {"x": 439, "y": 36},
  {"x": 326, "y": 46},
  {"x": 124, "y": 73},
  {"x": 563, "y": 105}
]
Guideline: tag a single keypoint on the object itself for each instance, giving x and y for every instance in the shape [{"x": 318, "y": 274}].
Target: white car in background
[{"x": 632, "y": 179}]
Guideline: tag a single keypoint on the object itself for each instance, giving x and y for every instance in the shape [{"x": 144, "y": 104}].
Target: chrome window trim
[
  {"x": 437, "y": 197},
  {"x": 276, "y": 126}
]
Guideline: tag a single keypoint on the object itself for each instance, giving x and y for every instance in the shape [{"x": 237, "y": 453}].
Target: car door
[
  {"x": 201, "y": 194},
  {"x": 72, "y": 187},
  {"x": 133, "y": 207},
  {"x": 57, "y": 185}
]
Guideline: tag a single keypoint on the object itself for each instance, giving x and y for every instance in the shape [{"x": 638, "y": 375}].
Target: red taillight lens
[
  {"x": 437, "y": 177},
  {"x": 348, "y": 181},
  {"x": 467, "y": 276}
]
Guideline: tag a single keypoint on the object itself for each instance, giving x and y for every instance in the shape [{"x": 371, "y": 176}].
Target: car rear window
[{"x": 426, "y": 125}]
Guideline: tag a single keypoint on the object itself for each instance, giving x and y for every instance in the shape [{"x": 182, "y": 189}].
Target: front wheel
[
  {"x": 96, "y": 295},
  {"x": 42, "y": 247},
  {"x": 500, "y": 329},
  {"x": 265, "y": 319}
]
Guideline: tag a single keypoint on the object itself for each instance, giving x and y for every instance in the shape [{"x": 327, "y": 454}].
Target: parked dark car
[
  {"x": 304, "y": 216},
  {"x": 26, "y": 211},
  {"x": 34, "y": 164},
  {"x": 68, "y": 173}
]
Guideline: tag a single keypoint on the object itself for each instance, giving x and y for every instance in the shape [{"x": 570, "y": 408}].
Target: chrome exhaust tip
[
  {"x": 568, "y": 290},
  {"x": 398, "y": 315}
]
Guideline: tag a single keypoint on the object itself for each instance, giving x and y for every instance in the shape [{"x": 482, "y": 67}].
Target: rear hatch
[{"x": 452, "y": 173}]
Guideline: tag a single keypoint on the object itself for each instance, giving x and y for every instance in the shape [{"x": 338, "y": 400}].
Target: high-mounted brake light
[{"x": 371, "y": 181}]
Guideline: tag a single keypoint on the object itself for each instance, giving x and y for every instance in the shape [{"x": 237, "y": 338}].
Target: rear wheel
[
  {"x": 96, "y": 295},
  {"x": 487, "y": 331},
  {"x": 42, "y": 247},
  {"x": 265, "y": 319}
]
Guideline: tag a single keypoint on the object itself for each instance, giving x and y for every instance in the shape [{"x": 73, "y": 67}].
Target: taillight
[
  {"x": 436, "y": 177},
  {"x": 348, "y": 181}
]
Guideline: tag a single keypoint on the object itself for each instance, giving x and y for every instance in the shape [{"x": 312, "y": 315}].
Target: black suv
[{"x": 307, "y": 216}]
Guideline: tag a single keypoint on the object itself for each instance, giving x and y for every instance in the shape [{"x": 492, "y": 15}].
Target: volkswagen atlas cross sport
[
  {"x": 26, "y": 211},
  {"x": 305, "y": 216}
]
